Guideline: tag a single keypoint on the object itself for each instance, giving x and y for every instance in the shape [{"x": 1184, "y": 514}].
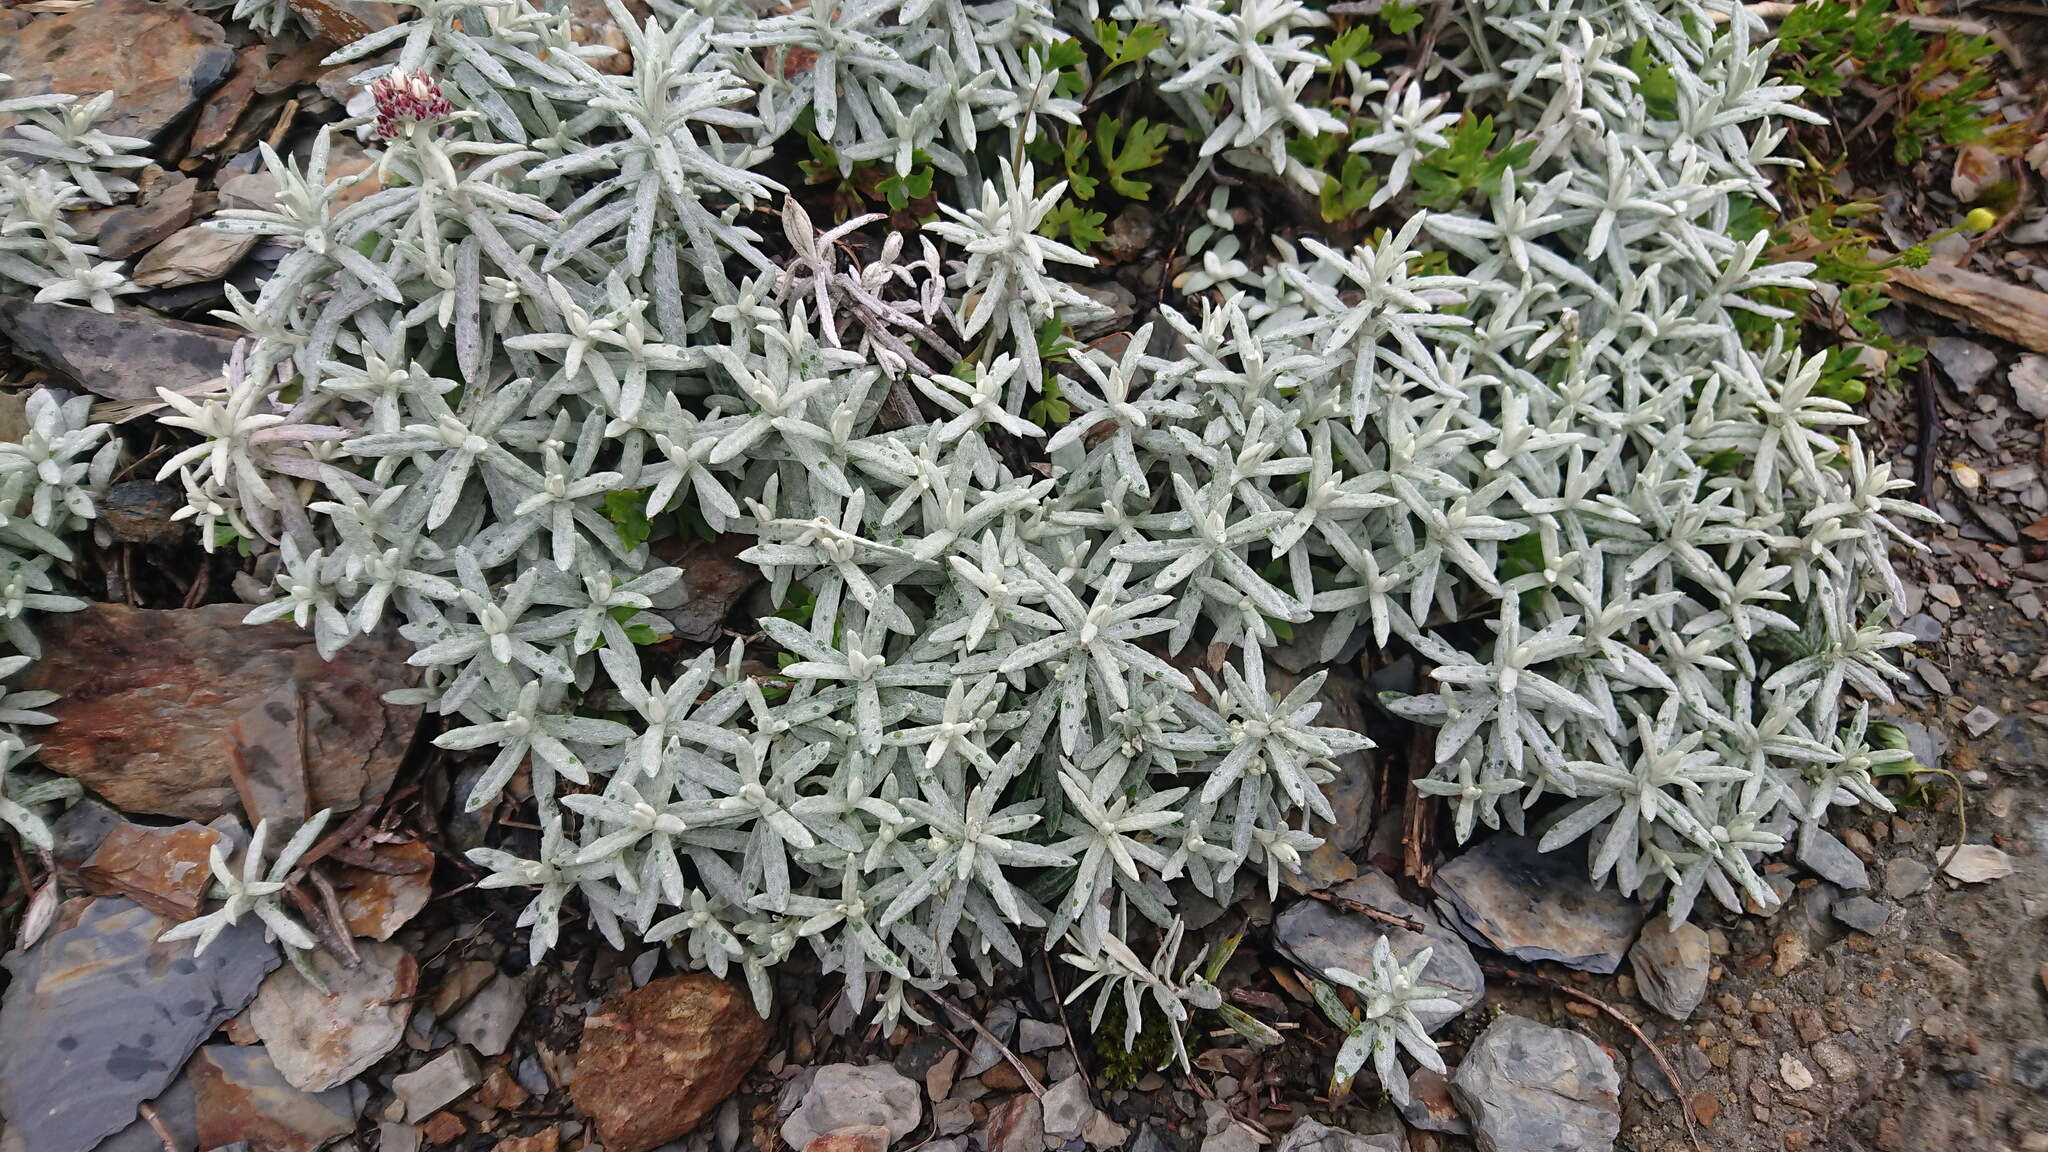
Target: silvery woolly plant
[
  {"x": 48, "y": 479},
  {"x": 1018, "y": 679},
  {"x": 53, "y": 160}
]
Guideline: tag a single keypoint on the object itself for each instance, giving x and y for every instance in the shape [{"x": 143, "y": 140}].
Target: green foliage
[
  {"x": 1938, "y": 85},
  {"x": 1401, "y": 19},
  {"x": 1124, "y": 154},
  {"x": 1123, "y": 1066},
  {"x": 626, "y": 508},
  {"x": 1352, "y": 46},
  {"x": 1467, "y": 163},
  {"x": 1127, "y": 45}
]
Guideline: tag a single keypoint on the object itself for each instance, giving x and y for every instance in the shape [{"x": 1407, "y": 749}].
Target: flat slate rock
[
  {"x": 149, "y": 699},
  {"x": 159, "y": 60},
  {"x": 126, "y": 354},
  {"x": 101, "y": 1016},
  {"x": 1505, "y": 895},
  {"x": 1323, "y": 936}
]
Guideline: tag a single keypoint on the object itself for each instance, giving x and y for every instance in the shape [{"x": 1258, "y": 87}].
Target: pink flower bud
[{"x": 407, "y": 98}]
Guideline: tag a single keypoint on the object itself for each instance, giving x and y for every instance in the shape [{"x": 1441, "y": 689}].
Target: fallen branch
[
  {"x": 1367, "y": 910},
  {"x": 2011, "y": 312}
]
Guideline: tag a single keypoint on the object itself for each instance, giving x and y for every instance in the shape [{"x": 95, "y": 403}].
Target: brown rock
[
  {"x": 656, "y": 1061},
  {"x": 267, "y": 758},
  {"x": 1706, "y": 1108},
  {"x": 499, "y": 1091},
  {"x": 163, "y": 869},
  {"x": 443, "y": 1128},
  {"x": 192, "y": 255},
  {"x": 241, "y": 1097},
  {"x": 859, "y": 1138},
  {"x": 345, "y": 21},
  {"x": 124, "y": 355},
  {"x": 548, "y": 1139},
  {"x": 715, "y": 579},
  {"x": 225, "y": 107},
  {"x": 375, "y": 902},
  {"x": 140, "y": 511},
  {"x": 1016, "y": 1125},
  {"x": 136, "y": 227},
  {"x": 159, "y": 60},
  {"x": 148, "y": 697},
  {"x": 591, "y": 23},
  {"x": 322, "y": 1039}
]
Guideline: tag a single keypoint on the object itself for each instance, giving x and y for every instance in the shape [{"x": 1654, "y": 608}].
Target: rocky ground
[{"x": 1897, "y": 1002}]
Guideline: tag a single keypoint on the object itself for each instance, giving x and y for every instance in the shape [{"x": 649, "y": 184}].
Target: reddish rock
[
  {"x": 267, "y": 759},
  {"x": 375, "y": 902},
  {"x": 656, "y": 1061},
  {"x": 241, "y": 1097},
  {"x": 149, "y": 698},
  {"x": 499, "y": 1092},
  {"x": 345, "y": 21},
  {"x": 443, "y": 1128},
  {"x": 136, "y": 227},
  {"x": 158, "y": 59},
  {"x": 859, "y": 1138},
  {"x": 714, "y": 577},
  {"x": 225, "y": 108},
  {"x": 163, "y": 869},
  {"x": 1016, "y": 1125}
]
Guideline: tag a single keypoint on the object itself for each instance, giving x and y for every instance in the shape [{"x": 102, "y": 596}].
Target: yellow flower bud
[{"x": 1980, "y": 219}]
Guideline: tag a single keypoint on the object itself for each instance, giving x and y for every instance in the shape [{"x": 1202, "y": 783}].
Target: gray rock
[
  {"x": 1863, "y": 914},
  {"x": 2030, "y": 1067},
  {"x": 1905, "y": 876},
  {"x": 100, "y": 1017},
  {"x": 1149, "y": 1140},
  {"x": 1322, "y": 936},
  {"x": 487, "y": 1022},
  {"x": 1921, "y": 627},
  {"x": 1687, "y": 1060},
  {"x": 1525, "y": 1087},
  {"x": 1928, "y": 745},
  {"x": 1966, "y": 363},
  {"x": 1308, "y": 1135},
  {"x": 1038, "y": 1035},
  {"x": 124, "y": 355},
  {"x": 1065, "y": 1108},
  {"x": 1231, "y": 1138},
  {"x": 1830, "y": 859},
  {"x": 1670, "y": 962},
  {"x": 1117, "y": 305},
  {"x": 436, "y": 1084},
  {"x": 1002, "y": 1025},
  {"x": 2029, "y": 380},
  {"x": 1534, "y": 905},
  {"x": 843, "y": 1095}
]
